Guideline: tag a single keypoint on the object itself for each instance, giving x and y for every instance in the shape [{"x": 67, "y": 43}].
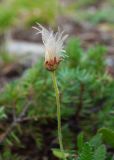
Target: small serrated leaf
[
  {"x": 100, "y": 153},
  {"x": 80, "y": 141},
  {"x": 87, "y": 153}
]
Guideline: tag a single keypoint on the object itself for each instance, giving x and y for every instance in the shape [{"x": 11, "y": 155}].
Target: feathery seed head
[{"x": 53, "y": 43}]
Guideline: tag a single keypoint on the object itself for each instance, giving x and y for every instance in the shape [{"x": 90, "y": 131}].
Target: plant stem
[{"x": 58, "y": 113}]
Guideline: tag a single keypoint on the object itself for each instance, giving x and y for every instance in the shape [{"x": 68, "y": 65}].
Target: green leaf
[
  {"x": 87, "y": 153},
  {"x": 2, "y": 113},
  {"x": 96, "y": 140},
  {"x": 57, "y": 153},
  {"x": 100, "y": 153},
  {"x": 80, "y": 141},
  {"x": 108, "y": 136},
  {"x": 13, "y": 135}
]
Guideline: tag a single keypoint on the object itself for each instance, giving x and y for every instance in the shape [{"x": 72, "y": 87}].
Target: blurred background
[
  {"x": 91, "y": 21},
  {"x": 86, "y": 77}
]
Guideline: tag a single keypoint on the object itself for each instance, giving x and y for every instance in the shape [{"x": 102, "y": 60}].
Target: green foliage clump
[{"x": 86, "y": 93}]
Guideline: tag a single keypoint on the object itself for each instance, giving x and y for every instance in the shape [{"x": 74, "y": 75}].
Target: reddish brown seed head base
[{"x": 52, "y": 64}]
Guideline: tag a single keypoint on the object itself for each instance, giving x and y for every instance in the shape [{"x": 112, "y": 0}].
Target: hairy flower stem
[{"x": 58, "y": 113}]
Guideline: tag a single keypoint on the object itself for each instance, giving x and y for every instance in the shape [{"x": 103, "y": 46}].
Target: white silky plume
[{"x": 53, "y": 42}]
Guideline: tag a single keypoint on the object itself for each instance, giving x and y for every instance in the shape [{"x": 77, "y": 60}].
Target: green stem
[{"x": 58, "y": 113}]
